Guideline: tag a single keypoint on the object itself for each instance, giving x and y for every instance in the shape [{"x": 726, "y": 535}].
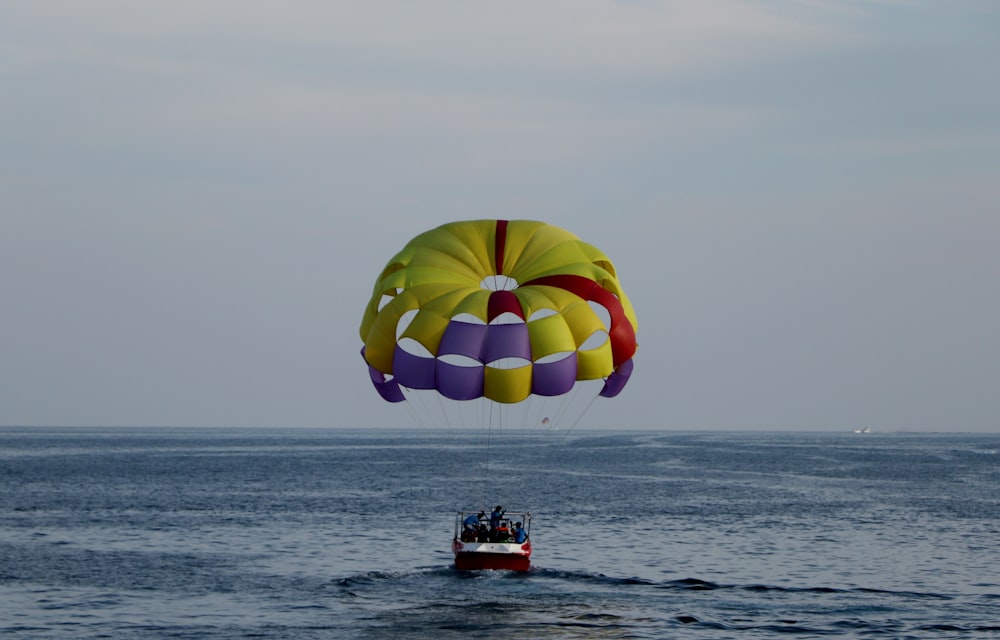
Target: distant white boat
[{"x": 865, "y": 430}]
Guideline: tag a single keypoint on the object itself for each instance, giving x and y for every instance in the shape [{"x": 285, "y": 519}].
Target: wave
[
  {"x": 695, "y": 584},
  {"x": 559, "y": 603},
  {"x": 682, "y": 584}
]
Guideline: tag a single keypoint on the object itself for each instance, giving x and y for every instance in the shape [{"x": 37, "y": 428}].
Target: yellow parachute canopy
[{"x": 498, "y": 309}]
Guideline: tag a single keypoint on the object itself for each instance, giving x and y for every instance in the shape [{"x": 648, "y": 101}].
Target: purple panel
[
  {"x": 463, "y": 338},
  {"x": 388, "y": 389},
  {"x": 507, "y": 341},
  {"x": 554, "y": 378},
  {"x": 413, "y": 371},
  {"x": 459, "y": 383},
  {"x": 616, "y": 381}
]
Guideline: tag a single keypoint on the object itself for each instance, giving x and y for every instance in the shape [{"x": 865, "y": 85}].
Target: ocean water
[{"x": 209, "y": 533}]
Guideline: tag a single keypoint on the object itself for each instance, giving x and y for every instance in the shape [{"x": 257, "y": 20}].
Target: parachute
[{"x": 507, "y": 312}]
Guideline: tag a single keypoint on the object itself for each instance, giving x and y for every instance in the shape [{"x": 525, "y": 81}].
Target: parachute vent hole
[
  {"x": 498, "y": 283},
  {"x": 507, "y": 318}
]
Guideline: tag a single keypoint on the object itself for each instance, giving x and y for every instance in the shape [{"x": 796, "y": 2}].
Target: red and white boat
[{"x": 492, "y": 545}]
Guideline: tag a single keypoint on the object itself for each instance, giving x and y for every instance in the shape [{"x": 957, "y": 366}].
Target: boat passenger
[
  {"x": 495, "y": 517},
  {"x": 520, "y": 535},
  {"x": 483, "y": 535},
  {"x": 502, "y": 532},
  {"x": 470, "y": 527}
]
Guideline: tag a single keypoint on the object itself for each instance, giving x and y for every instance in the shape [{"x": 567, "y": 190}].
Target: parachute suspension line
[
  {"x": 580, "y": 415},
  {"x": 525, "y": 414},
  {"x": 566, "y": 400},
  {"x": 541, "y": 420},
  {"x": 413, "y": 412},
  {"x": 537, "y": 416},
  {"x": 444, "y": 411},
  {"x": 550, "y": 420},
  {"x": 483, "y": 414},
  {"x": 468, "y": 414},
  {"x": 489, "y": 442},
  {"x": 551, "y": 417},
  {"x": 481, "y": 439},
  {"x": 429, "y": 415}
]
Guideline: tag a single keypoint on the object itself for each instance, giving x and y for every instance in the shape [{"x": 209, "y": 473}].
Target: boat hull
[{"x": 491, "y": 556}]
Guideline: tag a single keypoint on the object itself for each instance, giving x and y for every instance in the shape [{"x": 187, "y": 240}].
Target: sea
[{"x": 312, "y": 533}]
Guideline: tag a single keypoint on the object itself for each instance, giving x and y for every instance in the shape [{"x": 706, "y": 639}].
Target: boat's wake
[
  {"x": 555, "y": 602},
  {"x": 449, "y": 572}
]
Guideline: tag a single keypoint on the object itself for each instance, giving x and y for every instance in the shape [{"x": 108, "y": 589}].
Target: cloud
[
  {"x": 549, "y": 81},
  {"x": 567, "y": 34}
]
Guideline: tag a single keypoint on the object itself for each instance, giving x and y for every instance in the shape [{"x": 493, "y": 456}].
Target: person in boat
[
  {"x": 470, "y": 526},
  {"x": 520, "y": 535},
  {"x": 495, "y": 517},
  {"x": 469, "y": 529},
  {"x": 483, "y": 535},
  {"x": 502, "y": 532}
]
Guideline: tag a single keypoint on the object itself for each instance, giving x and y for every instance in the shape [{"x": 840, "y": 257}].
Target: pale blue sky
[{"x": 801, "y": 198}]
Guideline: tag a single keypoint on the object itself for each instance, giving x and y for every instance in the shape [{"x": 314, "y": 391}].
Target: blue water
[{"x": 174, "y": 533}]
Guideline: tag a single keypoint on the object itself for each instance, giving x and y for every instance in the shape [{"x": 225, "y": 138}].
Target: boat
[{"x": 491, "y": 544}]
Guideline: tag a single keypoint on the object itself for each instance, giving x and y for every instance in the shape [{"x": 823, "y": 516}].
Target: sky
[{"x": 801, "y": 199}]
